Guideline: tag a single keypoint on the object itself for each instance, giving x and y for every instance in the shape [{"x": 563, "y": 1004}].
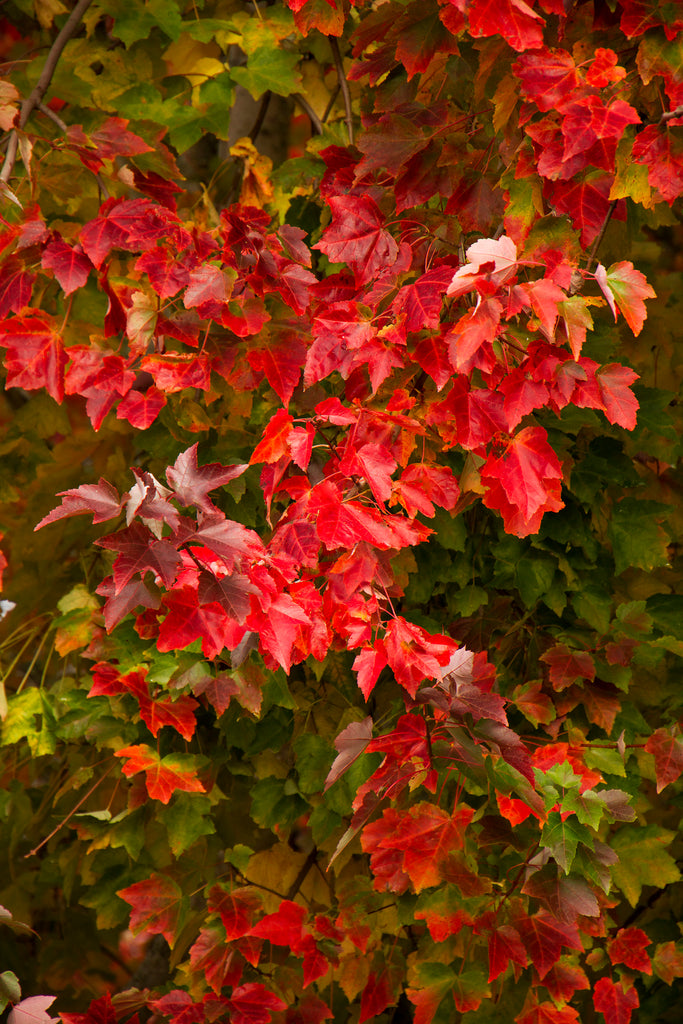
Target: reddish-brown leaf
[{"x": 157, "y": 906}]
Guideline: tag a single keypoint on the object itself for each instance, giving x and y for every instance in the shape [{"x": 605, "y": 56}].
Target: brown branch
[
  {"x": 309, "y": 111},
  {"x": 343, "y": 85},
  {"x": 261, "y": 116},
  {"x": 596, "y": 244},
  {"x": 671, "y": 114},
  {"x": 36, "y": 97}
]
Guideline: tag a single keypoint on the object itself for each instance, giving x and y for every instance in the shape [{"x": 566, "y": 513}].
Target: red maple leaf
[
  {"x": 178, "y": 713},
  {"x": 35, "y": 354},
  {"x": 524, "y": 482},
  {"x": 139, "y": 408},
  {"x": 186, "y": 620},
  {"x": 381, "y": 991},
  {"x": 357, "y": 236},
  {"x": 514, "y": 20},
  {"x": 212, "y": 958},
  {"x": 140, "y": 552},
  {"x": 505, "y": 945},
  {"x": 628, "y": 947},
  {"x": 544, "y": 936},
  {"x": 100, "y": 1011},
  {"x": 620, "y": 404},
  {"x": 566, "y": 666},
  {"x": 615, "y": 1000},
  {"x": 101, "y": 499},
  {"x": 70, "y": 264},
  {"x": 284, "y": 927},
  {"x": 661, "y": 150},
  {"x": 667, "y": 750},
  {"x": 179, "y": 1007},
  {"x": 548, "y": 1013},
  {"x": 192, "y": 483},
  {"x": 252, "y": 1003},
  {"x": 157, "y": 906},
  {"x": 163, "y": 776},
  {"x": 237, "y": 909}
]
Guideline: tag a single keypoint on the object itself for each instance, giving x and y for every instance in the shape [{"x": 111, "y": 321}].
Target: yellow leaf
[
  {"x": 47, "y": 11},
  {"x": 196, "y": 61}
]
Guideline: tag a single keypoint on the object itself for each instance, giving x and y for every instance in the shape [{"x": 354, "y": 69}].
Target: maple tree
[{"x": 340, "y": 513}]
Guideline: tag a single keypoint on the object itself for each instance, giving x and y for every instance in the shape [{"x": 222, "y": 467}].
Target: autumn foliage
[{"x": 340, "y": 504}]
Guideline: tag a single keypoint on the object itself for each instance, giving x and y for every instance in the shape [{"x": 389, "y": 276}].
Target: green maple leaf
[
  {"x": 643, "y": 860},
  {"x": 637, "y": 539},
  {"x": 186, "y": 819},
  {"x": 269, "y": 69},
  {"x": 562, "y": 838}
]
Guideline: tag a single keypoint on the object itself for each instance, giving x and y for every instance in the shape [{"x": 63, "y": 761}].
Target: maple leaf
[
  {"x": 500, "y": 254},
  {"x": 284, "y": 927},
  {"x": 236, "y": 909},
  {"x": 35, "y": 354},
  {"x": 524, "y": 482},
  {"x": 163, "y": 776},
  {"x": 139, "y": 408},
  {"x": 628, "y": 947},
  {"x": 179, "y": 1006},
  {"x": 667, "y": 751},
  {"x": 140, "y": 552},
  {"x": 505, "y": 945},
  {"x": 566, "y": 666},
  {"x": 101, "y": 499},
  {"x": 70, "y": 264},
  {"x": 357, "y": 236},
  {"x": 158, "y": 906},
  {"x": 192, "y": 483},
  {"x": 100, "y": 1011},
  {"x": 229, "y": 540},
  {"x": 668, "y": 962},
  {"x": 211, "y": 958},
  {"x": 548, "y": 1013},
  {"x": 619, "y": 402},
  {"x": 32, "y": 1011},
  {"x": 381, "y": 991},
  {"x": 186, "y": 620},
  {"x": 350, "y": 744},
  {"x": 544, "y": 937},
  {"x": 252, "y": 1003},
  {"x": 178, "y": 713},
  {"x": 615, "y": 1001},
  {"x": 515, "y": 20},
  {"x": 625, "y": 287},
  {"x": 661, "y": 150}
]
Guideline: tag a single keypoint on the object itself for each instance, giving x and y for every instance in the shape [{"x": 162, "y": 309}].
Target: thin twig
[
  {"x": 261, "y": 116},
  {"x": 36, "y": 97},
  {"x": 671, "y": 114},
  {"x": 53, "y": 117},
  {"x": 596, "y": 244},
  {"x": 303, "y": 871},
  {"x": 98, "y": 782},
  {"x": 343, "y": 85},
  {"x": 309, "y": 111},
  {"x": 331, "y": 103}
]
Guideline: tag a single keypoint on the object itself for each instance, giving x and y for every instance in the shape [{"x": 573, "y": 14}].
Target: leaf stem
[
  {"x": 343, "y": 85},
  {"x": 70, "y": 815}
]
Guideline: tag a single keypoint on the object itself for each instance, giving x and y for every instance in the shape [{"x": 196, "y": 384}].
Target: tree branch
[
  {"x": 36, "y": 97},
  {"x": 309, "y": 111},
  {"x": 343, "y": 84},
  {"x": 671, "y": 114}
]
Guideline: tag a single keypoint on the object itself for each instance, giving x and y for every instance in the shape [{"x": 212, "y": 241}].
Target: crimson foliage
[{"x": 420, "y": 456}]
